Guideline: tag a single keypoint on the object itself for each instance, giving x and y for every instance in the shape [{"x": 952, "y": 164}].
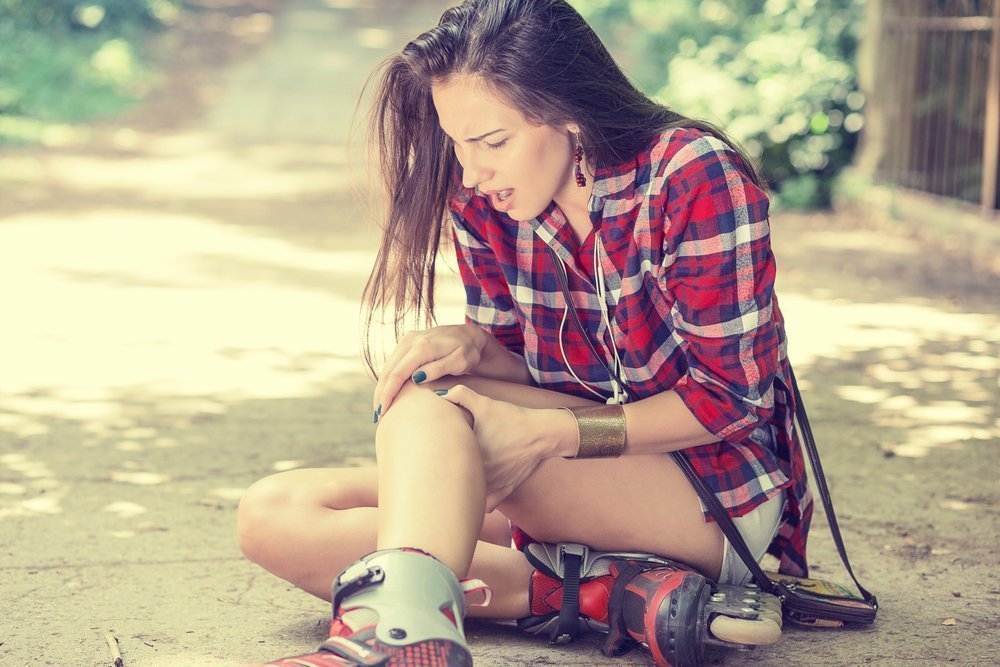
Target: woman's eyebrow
[
  {"x": 481, "y": 137},
  {"x": 472, "y": 140}
]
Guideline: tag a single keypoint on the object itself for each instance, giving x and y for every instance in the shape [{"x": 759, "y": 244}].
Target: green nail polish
[
  {"x": 440, "y": 392},
  {"x": 378, "y": 410},
  {"x": 375, "y": 418},
  {"x": 419, "y": 377}
]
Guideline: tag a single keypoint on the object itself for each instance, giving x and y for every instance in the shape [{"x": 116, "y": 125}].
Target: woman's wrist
[{"x": 558, "y": 433}]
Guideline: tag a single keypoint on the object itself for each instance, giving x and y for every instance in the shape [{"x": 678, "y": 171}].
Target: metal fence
[{"x": 938, "y": 83}]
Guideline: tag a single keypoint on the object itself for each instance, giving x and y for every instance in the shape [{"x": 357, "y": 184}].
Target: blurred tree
[
  {"x": 66, "y": 60},
  {"x": 778, "y": 75}
]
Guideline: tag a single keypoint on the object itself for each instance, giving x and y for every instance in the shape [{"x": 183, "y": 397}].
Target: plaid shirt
[{"x": 683, "y": 243}]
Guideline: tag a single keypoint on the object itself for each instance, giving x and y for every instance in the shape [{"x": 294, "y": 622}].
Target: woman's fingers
[
  {"x": 464, "y": 397},
  {"x": 421, "y": 353},
  {"x": 454, "y": 363},
  {"x": 402, "y": 349}
]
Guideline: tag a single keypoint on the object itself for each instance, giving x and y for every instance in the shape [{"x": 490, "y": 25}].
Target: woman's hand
[
  {"x": 428, "y": 355},
  {"x": 513, "y": 439}
]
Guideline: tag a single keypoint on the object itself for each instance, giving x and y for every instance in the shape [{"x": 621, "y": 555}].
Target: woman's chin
[{"x": 521, "y": 214}]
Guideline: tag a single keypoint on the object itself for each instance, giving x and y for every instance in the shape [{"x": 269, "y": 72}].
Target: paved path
[{"x": 180, "y": 318}]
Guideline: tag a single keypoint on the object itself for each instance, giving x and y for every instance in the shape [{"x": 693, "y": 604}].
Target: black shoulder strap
[
  {"x": 820, "y": 479},
  {"x": 707, "y": 496}
]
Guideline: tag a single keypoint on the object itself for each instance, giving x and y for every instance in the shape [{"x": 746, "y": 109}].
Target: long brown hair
[{"x": 541, "y": 57}]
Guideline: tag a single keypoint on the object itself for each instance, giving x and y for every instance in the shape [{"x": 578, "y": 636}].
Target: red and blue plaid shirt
[{"x": 683, "y": 242}]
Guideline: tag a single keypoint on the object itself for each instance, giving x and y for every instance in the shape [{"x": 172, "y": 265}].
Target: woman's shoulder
[
  {"x": 681, "y": 150},
  {"x": 686, "y": 159}
]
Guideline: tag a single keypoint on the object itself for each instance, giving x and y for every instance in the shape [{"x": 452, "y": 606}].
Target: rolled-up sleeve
[
  {"x": 488, "y": 303},
  {"x": 718, "y": 271}
]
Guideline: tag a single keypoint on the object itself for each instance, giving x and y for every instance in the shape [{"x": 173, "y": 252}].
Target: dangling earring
[{"x": 581, "y": 180}]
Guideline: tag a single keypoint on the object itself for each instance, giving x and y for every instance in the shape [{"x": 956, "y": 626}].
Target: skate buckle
[
  {"x": 582, "y": 551},
  {"x": 359, "y": 571},
  {"x": 354, "y": 578}
]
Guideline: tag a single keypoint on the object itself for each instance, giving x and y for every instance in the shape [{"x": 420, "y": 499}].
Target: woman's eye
[{"x": 497, "y": 146}]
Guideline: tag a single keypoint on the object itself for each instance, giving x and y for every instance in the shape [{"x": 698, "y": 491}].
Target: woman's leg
[
  {"x": 429, "y": 459},
  {"x": 637, "y": 503},
  {"x": 431, "y": 482},
  {"x": 306, "y": 526}
]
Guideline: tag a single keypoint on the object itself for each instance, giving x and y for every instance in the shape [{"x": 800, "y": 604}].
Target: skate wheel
[
  {"x": 745, "y": 631},
  {"x": 771, "y": 610}
]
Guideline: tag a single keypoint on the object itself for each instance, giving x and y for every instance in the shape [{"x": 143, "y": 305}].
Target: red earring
[{"x": 581, "y": 180}]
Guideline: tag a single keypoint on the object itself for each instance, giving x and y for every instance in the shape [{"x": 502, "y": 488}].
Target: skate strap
[
  {"x": 568, "y": 625},
  {"x": 575, "y": 563},
  {"x": 618, "y": 640},
  {"x": 356, "y": 652},
  {"x": 472, "y": 586},
  {"x": 551, "y": 558}
]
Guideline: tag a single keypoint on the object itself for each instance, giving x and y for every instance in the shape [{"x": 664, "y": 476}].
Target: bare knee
[
  {"x": 260, "y": 510},
  {"x": 416, "y": 407}
]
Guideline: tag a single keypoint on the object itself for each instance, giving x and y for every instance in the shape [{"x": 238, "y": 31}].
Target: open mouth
[{"x": 502, "y": 200}]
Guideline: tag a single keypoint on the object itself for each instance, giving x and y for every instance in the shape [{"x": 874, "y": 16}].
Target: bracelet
[{"x": 601, "y": 429}]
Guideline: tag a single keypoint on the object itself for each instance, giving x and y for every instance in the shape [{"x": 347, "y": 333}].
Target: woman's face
[{"x": 520, "y": 167}]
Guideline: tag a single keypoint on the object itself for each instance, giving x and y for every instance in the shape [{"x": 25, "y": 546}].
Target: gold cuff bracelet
[{"x": 601, "y": 429}]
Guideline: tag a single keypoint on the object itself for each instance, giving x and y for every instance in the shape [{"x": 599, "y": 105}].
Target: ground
[{"x": 180, "y": 317}]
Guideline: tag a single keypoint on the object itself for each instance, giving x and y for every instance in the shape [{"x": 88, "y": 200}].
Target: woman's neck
[{"x": 574, "y": 202}]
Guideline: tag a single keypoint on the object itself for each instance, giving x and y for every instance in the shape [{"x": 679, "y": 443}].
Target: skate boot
[
  {"x": 396, "y": 607},
  {"x": 643, "y": 599}
]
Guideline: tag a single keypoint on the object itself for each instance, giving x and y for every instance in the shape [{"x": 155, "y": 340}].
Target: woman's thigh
[
  {"x": 636, "y": 503},
  {"x": 633, "y": 503}
]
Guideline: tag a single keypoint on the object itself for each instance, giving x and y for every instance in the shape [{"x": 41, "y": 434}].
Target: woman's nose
[{"x": 473, "y": 173}]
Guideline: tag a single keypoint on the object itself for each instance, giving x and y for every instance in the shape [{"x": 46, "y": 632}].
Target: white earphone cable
[{"x": 619, "y": 397}]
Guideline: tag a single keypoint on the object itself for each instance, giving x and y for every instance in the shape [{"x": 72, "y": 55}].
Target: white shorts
[{"x": 758, "y": 528}]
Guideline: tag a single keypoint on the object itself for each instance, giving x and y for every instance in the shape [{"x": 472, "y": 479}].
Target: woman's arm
[
  {"x": 653, "y": 425},
  {"x": 718, "y": 276}
]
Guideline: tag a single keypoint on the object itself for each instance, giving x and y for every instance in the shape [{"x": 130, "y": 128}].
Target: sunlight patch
[
  {"x": 139, "y": 478},
  {"x": 957, "y": 505},
  {"x": 861, "y": 394},
  {"x": 43, "y": 505},
  {"x": 125, "y": 509},
  {"x": 228, "y": 493},
  {"x": 949, "y": 411}
]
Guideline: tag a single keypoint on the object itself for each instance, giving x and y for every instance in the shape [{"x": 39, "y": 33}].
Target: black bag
[{"x": 811, "y": 602}]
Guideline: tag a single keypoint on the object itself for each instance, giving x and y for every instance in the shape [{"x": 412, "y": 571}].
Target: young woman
[{"x": 510, "y": 128}]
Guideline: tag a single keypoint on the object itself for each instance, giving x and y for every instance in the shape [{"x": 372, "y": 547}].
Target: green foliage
[
  {"x": 777, "y": 75},
  {"x": 64, "y": 61}
]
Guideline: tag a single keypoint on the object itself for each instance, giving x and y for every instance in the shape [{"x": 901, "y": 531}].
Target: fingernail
[
  {"x": 419, "y": 377},
  {"x": 440, "y": 392},
  {"x": 375, "y": 418}
]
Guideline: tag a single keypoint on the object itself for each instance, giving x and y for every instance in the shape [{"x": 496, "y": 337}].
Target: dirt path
[{"x": 180, "y": 310}]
